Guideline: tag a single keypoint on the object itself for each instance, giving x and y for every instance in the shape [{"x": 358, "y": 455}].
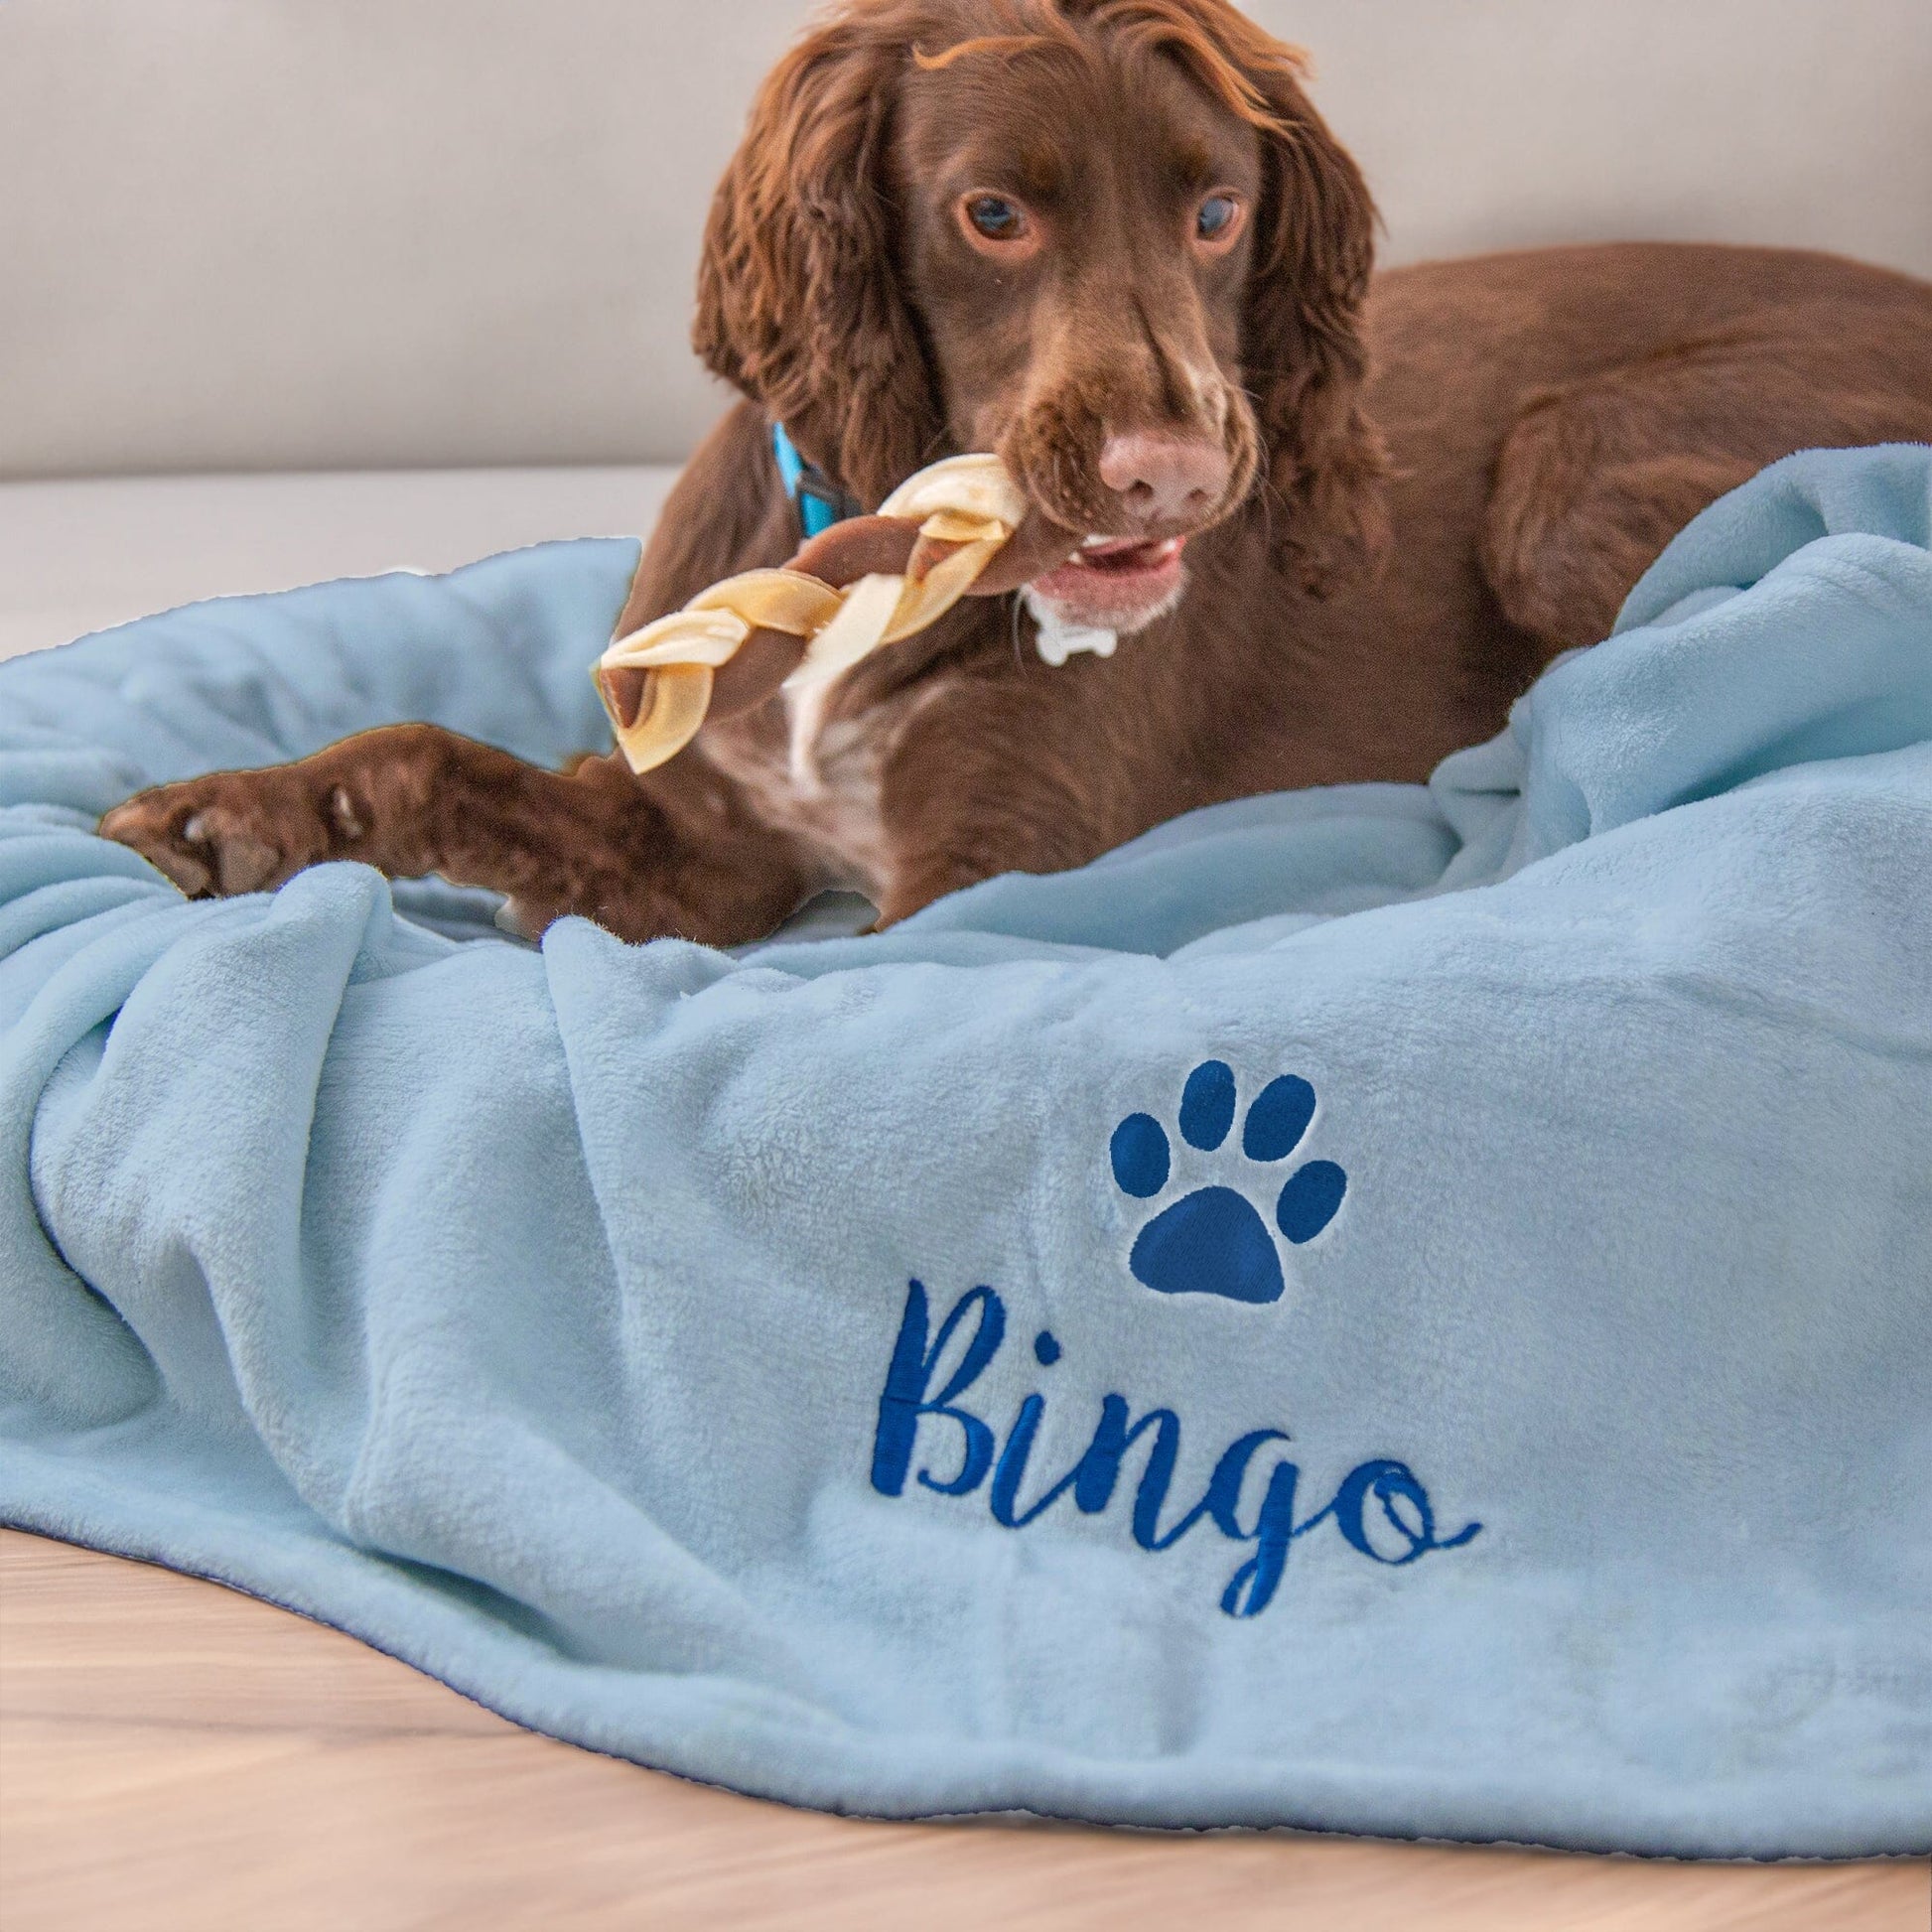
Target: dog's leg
[
  {"x": 1018, "y": 774},
  {"x": 679, "y": 852},
  {"x": 1596, "y": 478},
  {"x": 682, "y": 856}
]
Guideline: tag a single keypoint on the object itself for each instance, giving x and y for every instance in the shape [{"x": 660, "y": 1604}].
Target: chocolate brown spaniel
[{"x": 1334, "y": 522}]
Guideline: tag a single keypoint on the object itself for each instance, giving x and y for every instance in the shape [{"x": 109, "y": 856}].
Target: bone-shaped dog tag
[{"x": 1057, "y": 639}]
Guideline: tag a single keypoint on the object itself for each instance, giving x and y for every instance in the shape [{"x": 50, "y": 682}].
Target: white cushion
[{"x": 78, "y": 556}]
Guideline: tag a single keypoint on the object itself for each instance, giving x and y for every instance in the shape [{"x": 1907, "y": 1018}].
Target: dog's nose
[{"x": 1163, "y": 479}]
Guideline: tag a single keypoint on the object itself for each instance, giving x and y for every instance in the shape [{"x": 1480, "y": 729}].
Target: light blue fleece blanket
[{"x": 1405, "y": 1311}]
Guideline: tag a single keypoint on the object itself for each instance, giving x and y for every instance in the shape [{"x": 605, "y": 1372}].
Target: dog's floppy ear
[
  {"x": 798, "y": 296},
  {"x": 1303, "y": 352}
]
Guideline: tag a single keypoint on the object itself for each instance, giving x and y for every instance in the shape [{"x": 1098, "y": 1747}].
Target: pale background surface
[
  {"x": 79, "y": 554},
  {"x": 244, "y": 235}
]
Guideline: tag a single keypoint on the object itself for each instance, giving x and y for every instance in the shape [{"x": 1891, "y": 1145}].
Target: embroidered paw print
[{"x": 1213, "y": 1241}]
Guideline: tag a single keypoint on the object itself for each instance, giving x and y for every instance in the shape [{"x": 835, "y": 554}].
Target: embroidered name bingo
[{"x": 1380, "y": 1510}]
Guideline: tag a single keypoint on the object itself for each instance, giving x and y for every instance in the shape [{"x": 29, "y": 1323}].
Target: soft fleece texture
[{"x": 545, "y": 1318}]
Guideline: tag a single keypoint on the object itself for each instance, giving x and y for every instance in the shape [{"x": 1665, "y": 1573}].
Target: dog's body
[
  {"x": 1517, "y": 437},
  {"x": 1553, "y": 419}
]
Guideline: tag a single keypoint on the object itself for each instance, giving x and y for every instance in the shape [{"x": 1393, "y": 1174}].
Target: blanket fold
[{"x": 1396, "y": 1310}]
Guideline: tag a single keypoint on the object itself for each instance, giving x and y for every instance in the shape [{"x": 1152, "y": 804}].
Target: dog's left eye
[
  {"x": 1218, "y": 220},
  {"x": 995, "y": 217}
]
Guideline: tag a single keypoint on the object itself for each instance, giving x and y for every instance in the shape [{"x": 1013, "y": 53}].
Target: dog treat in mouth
[{"x": 657, "y": 683}]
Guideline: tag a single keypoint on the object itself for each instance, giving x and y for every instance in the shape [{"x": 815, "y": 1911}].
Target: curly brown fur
[{"x": 1517, "y": 437}]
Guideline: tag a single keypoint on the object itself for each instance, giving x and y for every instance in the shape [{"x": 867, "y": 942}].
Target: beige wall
[{"x": 281, "y": 233}]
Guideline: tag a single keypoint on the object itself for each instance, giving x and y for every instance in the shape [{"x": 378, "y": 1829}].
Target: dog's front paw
[{"x": 230, "y": 832}]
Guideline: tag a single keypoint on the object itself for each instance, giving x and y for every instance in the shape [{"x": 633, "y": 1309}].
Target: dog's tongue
[{"x": 1122, "y": 557}]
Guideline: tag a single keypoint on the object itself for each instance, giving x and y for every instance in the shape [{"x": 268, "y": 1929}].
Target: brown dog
[{"x": 1111, "y": 240}]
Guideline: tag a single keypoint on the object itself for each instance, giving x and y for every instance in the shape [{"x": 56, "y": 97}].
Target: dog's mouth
[{"x": 1117, "y": 582}]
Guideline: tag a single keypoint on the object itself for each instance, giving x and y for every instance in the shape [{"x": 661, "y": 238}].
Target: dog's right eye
[{"x": 995, "y": 217}]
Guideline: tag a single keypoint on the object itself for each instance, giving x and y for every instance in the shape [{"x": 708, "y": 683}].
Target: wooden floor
[{"x": 174, "y": 1755}]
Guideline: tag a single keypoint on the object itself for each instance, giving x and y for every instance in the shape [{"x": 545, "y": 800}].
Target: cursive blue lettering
[
  {"x": 1012, "y": 1470},
  {"x": 1380, "y": 1509},
  {"x": 1386, "y": 1482},
  {"x": 904, "y": 1398}
]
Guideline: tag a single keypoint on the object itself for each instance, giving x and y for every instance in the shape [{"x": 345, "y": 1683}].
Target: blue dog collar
[{"x": 819, "y": 500}]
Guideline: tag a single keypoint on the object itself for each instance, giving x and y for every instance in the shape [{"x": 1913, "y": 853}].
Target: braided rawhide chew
[{"x": 966, "y": 508}]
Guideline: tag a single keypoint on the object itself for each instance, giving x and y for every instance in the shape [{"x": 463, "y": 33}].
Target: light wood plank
[{"x": 174, "y": 1755}]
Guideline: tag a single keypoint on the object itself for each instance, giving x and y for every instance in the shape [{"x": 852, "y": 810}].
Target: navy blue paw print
[{"x": 1212, "y": 1241}]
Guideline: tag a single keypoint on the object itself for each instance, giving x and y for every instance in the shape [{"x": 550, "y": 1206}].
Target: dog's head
[{"x": 1110, "y": 239}]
